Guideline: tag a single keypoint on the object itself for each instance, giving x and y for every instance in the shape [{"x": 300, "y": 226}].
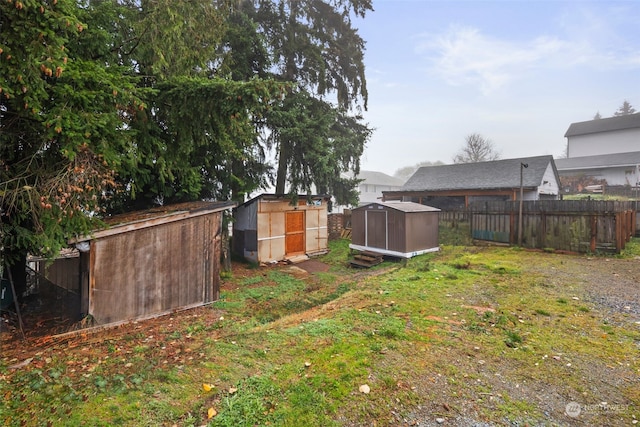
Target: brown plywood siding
[
  {"x": 421, "y": 231},
  {"x": 397, "y": 230},
  {"x": 357, "y": 230},
  {"x": 376, "y": 229},
  {"x": 156, "y": 269}
]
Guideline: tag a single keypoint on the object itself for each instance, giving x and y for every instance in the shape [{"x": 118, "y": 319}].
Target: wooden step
[
  {"x": 366, "y": 259},
  {"x": 357, "y": 263}
]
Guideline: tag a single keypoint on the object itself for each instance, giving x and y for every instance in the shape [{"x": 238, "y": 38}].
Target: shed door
[
  {"x": 294, "y": 232},
  {"x": 376, "y": 225}
]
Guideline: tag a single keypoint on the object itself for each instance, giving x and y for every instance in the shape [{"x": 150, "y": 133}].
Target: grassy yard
[{"x": 467, "y": 335}]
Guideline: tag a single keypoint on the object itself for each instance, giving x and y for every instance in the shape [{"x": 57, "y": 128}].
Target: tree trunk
[
  {"x": 281, "y": 178},
  {"x": 226, "y": 251},
  {"x": 225, "y": 248}
]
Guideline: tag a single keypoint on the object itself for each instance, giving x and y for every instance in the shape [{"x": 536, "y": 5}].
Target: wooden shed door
[
  {"x": 294, "y": 232},
  {"x": 376, "y": 225}
]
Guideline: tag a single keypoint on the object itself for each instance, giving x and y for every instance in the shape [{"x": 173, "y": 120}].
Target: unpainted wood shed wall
[{"x": 155, "y": 269}]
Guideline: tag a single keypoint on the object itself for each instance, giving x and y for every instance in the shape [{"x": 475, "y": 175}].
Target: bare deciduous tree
[{"x": 476, "y": 149}]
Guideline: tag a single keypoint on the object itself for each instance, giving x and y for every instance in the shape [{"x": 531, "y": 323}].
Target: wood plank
[{"x": 358, "y": 263}]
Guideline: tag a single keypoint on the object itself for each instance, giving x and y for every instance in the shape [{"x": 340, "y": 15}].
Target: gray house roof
[
  {"x": 599, "y": 162},
  {"x": 378, "y": 178},
  {"x": 497, "y": 174},
  {"x": 630, "y": 121}
]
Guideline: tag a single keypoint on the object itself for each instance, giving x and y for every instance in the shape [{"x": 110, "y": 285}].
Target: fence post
[
  {"x": 594, "y": 233},
  {"x": 512, "y": 227}
]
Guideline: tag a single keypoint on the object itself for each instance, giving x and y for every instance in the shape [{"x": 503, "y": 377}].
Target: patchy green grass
[
  {"x": 454, "y": 233},
  {"x": 632, "y": 249},
  {"x": 468, "y": 331},
  {"x": 592, "y": 196}
]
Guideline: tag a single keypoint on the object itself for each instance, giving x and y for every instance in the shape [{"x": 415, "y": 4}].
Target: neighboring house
[
  {"x": 458, "y": 185},
  {"x": 269, "y": 228},
  {"x": 602, "y": 153},
  {"x": 146, "y": 263},
  {"x": 619, "y": 134},
  {"x": 619, "y": 169},
  {"x": 374, "y": 183}
]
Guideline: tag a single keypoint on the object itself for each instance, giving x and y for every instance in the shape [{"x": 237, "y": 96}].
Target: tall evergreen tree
[
  {"x": 625, "y": 109},
  {"x": 62, "y": 128},
  {"x": 199, "y": 124},
  {"x": 319, "y": 143},
  {"x": 107, "y": 100},
  {"x": 313, "y": 44}
]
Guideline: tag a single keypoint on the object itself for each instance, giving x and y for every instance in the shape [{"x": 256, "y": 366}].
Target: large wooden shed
[
  {"x": 270, "y": 228},
  {"x": 400, "y": 229},
  {"x": 152, "y": 262}
]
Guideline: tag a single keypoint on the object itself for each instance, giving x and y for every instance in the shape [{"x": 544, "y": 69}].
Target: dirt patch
[
  {"x": 610, "y": 283},
  {"x": 313, "y": 266},
  {"x": 613, "y": 286}
]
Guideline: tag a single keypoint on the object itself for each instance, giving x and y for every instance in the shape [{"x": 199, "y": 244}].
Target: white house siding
[
  {"x": 613, "y": 176},
  {"x": 549, "y": 184},
  {"x": 595, "y": 144},
  {"x": 370, "y": 193}
]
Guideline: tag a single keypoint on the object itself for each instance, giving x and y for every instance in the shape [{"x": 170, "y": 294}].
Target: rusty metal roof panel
[{"x": 158, "y": 215}]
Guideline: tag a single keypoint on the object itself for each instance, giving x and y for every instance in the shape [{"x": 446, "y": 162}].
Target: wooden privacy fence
[
  {"x": 454, "y": 216},
  {"x": 571, "y": 225}
]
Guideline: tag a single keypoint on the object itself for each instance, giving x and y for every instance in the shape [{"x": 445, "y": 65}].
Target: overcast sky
[{"x": 516, "y": 72}]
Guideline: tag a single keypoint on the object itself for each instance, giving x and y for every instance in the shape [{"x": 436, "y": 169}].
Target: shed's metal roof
[
  {"x": 401, "y": 206},
  {"x": 497, "y": 174},
  {"x": 272, "y": 196},
  {"x": 598, "y": 162},
  {"x": 167, "y": 210},
  {"x": 629, "y": 121}
]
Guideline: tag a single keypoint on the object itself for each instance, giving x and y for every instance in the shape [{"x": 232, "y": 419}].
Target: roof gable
[
  {"x": 375, "y": 178},
  {"x": 497, "y": 174},
  {"x": 379, "y": 178},
  {"x": 629, "y": 121}
]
